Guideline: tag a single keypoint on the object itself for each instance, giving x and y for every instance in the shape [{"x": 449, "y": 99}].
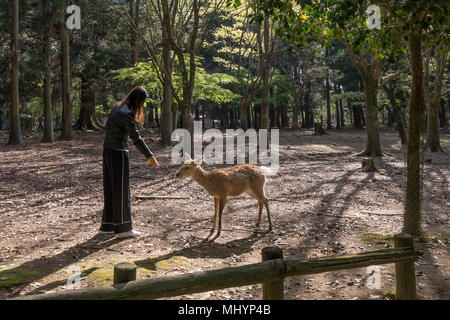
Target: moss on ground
[
  {"x": 16, "y": 276},
  {"x": 379, "y": 240},
  {"x": 388, "y": 295},
  {"x": 436, "y": 237},
  {"x": 145, "y": 273},
  {"x": 101, "y": 277},
  {"x": 172, "y": 263},
  {"x": 387, "y": 240}
]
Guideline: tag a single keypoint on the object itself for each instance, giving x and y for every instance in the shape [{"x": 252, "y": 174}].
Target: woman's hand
[{"x": 153, "y": 162}]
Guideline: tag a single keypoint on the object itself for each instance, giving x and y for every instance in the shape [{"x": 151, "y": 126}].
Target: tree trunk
[
  {"x": 243, "y": 107},
  {"x": 443, "y": 119},
  {"x": 167, "y": 122},
  {"x": 231, "y": 118},
  {"x": 223, "y": 114},
  {"x": 327, "y": 94},
  {"x": 432, "y": 99},
  {"x": 86, "y": 119},
  {"x": 390, "y": 118},
  {"x": 433, "y": 141},
  {"x": 187, "y": 72},
  {"x": 369, "y": 67},
  {"x": 265, "y": 74},
  {"x": 284, "y": 117},
  {"x": 134, "y": 14},
  {"x": 295, "y": 114},
  {"x": 15, "y": 134},
  {"x": 338, "y": 115},
  {"x": 255, "y": 118},
  {"x": 273, "y": 117},
  {"x": 412, "y": 216},
  {"x": 186, "y": 114},
  {"x": 390, "y": 93},
  {"x": 341, "y": 108},
  {"x": 309, "y": 117},
  {"x": 302, "y": 106},
  {"x": 157, "y": 117},
  {"x": 66, "y": 121},
  {"x": 249, "y": 117},
  {"x": 48, "y": 114},
  {"x": 373, "y": 146},
  {"x": 197, "y": 112},
  {"x": 308, "y": 121}
]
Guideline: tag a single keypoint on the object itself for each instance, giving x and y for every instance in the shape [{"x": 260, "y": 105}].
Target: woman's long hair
[{"x": 135, "y": 101}]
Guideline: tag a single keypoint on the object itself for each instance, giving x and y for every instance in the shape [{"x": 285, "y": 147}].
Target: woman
[{"x": 121, "y": 124}]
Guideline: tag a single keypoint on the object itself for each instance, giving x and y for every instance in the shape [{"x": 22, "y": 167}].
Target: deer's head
[{"x": 188, "y": 168}]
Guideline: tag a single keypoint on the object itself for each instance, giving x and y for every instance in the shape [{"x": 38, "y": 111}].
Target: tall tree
[
  {"x": 265, "y": 57},
  {"x": 432, "y": 98},
  {"x": 134, "y": 13},
  {"x": 390, "y": 88},
  {"x": 412, "y": 219},
  {"x": 327, "y": 93},
  {"x": 167, "y": 125},
  {"x": 15, "y": 134},
  {"x": 48, "y": 113},
  {"x": 163, "y": 63},
  {"x": 66, "y": 121},
  {"x": 346, "y": 21},
  {"x": 180, "y": 47},
  {"x": 412, "y": 18},
  {"x": 369, "y": 65}
]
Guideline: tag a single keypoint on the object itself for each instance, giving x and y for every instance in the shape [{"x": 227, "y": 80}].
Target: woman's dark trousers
[{"x": 116, "y": 191}]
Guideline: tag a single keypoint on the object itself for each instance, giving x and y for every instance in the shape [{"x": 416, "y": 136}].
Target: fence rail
[{"x": 270, "y": 272}]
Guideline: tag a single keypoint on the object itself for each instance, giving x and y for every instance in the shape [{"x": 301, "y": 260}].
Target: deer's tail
[{"x": 268, "y": 171}]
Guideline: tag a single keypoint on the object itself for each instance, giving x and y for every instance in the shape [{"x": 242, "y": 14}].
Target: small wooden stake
[
  {"x": 405, "y": 271},
  {"x": 124, "y": 272},
  {"x": 273, "y": 290}
]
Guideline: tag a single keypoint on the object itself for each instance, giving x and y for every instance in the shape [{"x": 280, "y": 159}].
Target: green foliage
[
  {"x": 208, "y": 86},
  {"x": 229, "y": 66}
]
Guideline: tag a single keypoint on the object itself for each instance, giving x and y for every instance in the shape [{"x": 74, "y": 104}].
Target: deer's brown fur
[{"x": 222, "y": 183}]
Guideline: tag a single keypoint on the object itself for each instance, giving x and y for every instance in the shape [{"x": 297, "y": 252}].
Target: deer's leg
[
  {"x": 266, "y": 203},
  {"x": 260, "y": 198},
  {"x": 258, "y": 193},
  {"x": 216, "y": 210},
  {"x": 222, "y": 203},
  {"x": 261, "y": 206}
]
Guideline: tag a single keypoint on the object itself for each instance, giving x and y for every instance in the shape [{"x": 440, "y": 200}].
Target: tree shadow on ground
[
  {"x": 208, "y": 248},
  {"x": 57, "y": 283},
  {"x": 439, "y": 283},
  {"x": 329, "y": 222},
  {"x": 44, "y": 266}
]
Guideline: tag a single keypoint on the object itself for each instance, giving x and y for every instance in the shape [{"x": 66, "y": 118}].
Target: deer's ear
[
  {"x": 187, "y": 156},
  {"x": 199, "y": 160}
]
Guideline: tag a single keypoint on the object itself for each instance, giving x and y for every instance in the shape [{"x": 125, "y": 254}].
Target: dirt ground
[{"x": 51, "y": 202}]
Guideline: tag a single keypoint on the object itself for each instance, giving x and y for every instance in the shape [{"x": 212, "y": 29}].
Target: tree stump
[
  {"x": 318, "y": 129},
  {"x": 368, "y": 165}
]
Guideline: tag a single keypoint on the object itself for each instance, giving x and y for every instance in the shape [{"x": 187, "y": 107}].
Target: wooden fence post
[
  {"x": 124, "y": 272},
  {"x": 405, "y": 271},
  {"x": 273, "y": 290}
]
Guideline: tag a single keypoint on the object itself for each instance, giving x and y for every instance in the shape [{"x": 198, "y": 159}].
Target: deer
[{"x": 223, "y": 183}]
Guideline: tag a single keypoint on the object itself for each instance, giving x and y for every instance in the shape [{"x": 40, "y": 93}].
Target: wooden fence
[{"x": 271, "y": 272}]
